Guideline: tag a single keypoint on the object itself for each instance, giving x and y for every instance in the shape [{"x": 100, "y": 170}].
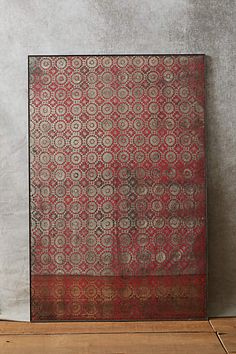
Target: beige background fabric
[{"x": 117, "y": 27}]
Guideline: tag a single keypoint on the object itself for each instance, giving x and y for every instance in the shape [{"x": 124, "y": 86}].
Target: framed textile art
[{"x": 117, "y": 180}]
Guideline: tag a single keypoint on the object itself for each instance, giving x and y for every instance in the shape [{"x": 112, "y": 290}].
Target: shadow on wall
[{"x": 221, "y": 291}]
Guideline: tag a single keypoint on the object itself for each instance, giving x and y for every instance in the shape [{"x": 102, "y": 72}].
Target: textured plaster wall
[{"x": 117, "y": 26}]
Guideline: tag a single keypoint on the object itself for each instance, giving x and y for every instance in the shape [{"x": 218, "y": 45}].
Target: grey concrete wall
[{"x": 117, "y": 26}]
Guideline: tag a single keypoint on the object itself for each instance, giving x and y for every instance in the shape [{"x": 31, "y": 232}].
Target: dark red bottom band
[{"x": 74, "y": 297}]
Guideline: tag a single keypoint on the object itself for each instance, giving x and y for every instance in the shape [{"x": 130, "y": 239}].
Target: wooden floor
[{"x": 215, "y": 336}]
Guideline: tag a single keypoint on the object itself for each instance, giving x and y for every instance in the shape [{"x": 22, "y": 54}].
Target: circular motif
[
  {"x": 45, "y": 79},
  {"x": 61, "y": 79},
  {"x": 76, "y": 78},
  {"x": 137, "y": 76},
  {"x": 138, "y": 124},
  {"x": 107, "y": 174},
  {"x": 107, "y": 141},
  {"x": 169, "y": 107},
  {"x": 91, "y": 207},
  {"x": 60, "y": 208},
  {"x": 122, "y": 77},
  {"x": 122, "y": 61},
  {"x": 174, "y": 189},
  {"x": 45, "y": 191},
  {"x": 159, "y": 222},
  {"x": 76, "y": 157},
  {"x": 171, "y": 156},
  {"x": 107, "y": 124},
  {"x": 92, "y": 62},
  {"x": 44, "y": 174},
  {"x": 106, "y": 258},
  {"x": 138, "y": 61},
  {"x": 60, "y": 241},
  {"x": 76, "y": 241},
  {"x": 45, "y": 95},
  {"x": 168, "y": 91},
  {"x": 139, "y": 156},
  {"x": 186, "y": 139},
  {"x": 107, "y": 223},
  {"x": 152, "y": 76},
  {"x": 91, "y": 191},
  {"x": 60, "y": 94},
  {"x": 125, "y": 258},
  {"x": 107, "y": 240},
  {"x": 107, "y": 190},
  {"x": 153, "y": 124},
  {"x": 168, "y": 61},
  {"x": 123, "y": 140},
  {"x": 60, "y": 126},
  {"x": 91, "y": 141},
  {"x": 160, "y": 257},
  {"x": 76, "y": 94},
  {"x": 107, "y": 61},
  {"x": 75, "y": 191},
  {"x": 107, "y": 92},
  {"x": 107, "y": 77},
  {"x": 60, "y": 110},
  {"x": 91, "y": 174},
  {"x": 75, "y": 109},
  {"x": 76, "y": 125},
  {"x": 123, "y": 156},
  {"x": 122, "y": 92},
  {"x": 45, "y": 110},
  {"x": 153, "y": 61},
  {"x": 44, "y": 158},
  {"x": 61, "y": 63},
  {"x": 124, "y": 189},
  {"x": 169, "y": 123},
  {"x": 59, "y": 142},
  {"x": 107, "y": 207},
  {"x": 157, "y": 205},
  {"x": 142, "y": 240},
  {"x": 75, "y": 258},
  {"x": 154, "y": 156},
  {"x": 184, "y": 107},
  {"x": 107, "y": 157},
  {"x": 138, "y": 92},
  {"x": 122, "y": 108},
  {"x": 144, "y": 257},
  {"x": 75, "y": 224},
  {"x": 153, "y": 107},
  {"x": 60, "y": 191},
  {"x": 168, "y": 76},
  {"x": 174, "y": 222},
  {"x": 91, "y": 109},
  {"x": 60, "y": 224},
  {"x": 141, "y": 223},
  {"x": 76, "y": 62},
  {"x": 184, "y": 92},
  {"x": 75, "y": 175},
  {"x": 154, "y": 140},
  {"x": 91, "y": 125},
  {"x": 170, "y": 140},
  {"x": 91, "y": 223},
  {"x": 45, "y": 63},
  {"x": 60, "y": 258}
]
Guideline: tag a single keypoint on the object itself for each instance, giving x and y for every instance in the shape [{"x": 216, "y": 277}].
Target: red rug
[{"x": 118, "y": 200}]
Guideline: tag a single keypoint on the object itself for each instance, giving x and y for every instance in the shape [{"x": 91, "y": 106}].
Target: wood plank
[
  {"x": 7, "y": 327},
  {"x": 229, "y": 341},
  {"x": 226, "y": 329},
  {"x": 225, "y": 325},
  {"x": 128, "y": 343}
]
